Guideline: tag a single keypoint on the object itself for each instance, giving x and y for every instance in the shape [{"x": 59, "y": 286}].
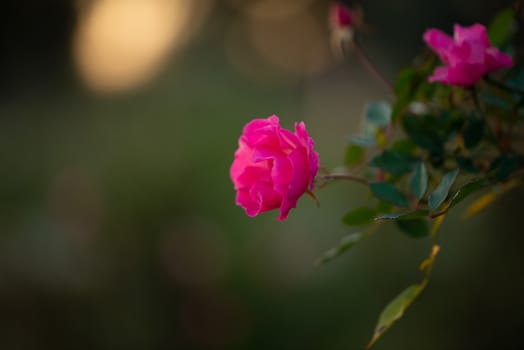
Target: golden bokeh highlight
[{"x": 122, "y": 44}]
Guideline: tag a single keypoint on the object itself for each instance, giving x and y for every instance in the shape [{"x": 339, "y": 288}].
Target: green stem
[{"x": 350, "y": 177}]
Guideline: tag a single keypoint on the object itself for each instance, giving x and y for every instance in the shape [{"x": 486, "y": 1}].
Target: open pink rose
[
  {"x": 468, "y": 55},
  {"x": 273, "y": 167}
]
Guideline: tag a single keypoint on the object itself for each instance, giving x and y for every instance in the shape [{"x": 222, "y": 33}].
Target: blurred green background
[{"x": 118, "y": 229}]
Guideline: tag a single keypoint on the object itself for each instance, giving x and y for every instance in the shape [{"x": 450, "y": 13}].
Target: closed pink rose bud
[
  {"x": 468, "y": 56},
  {"x": 340, "y": 16},
  {"x": 273, "y": 167}
]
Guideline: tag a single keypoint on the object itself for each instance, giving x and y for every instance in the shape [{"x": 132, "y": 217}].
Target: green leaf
[
  {"x": 466, "y": 164},
  {"x": 378, "y": 113},
  {"x": 419, "y": 181},
  {"x": 388, "y": 193},
  {"x": 414, "y": 228},
  {"x": 473, "y": 132},
  {"x": 346, "y": 243},
  {"x": 502, "y": 28},
  {"x": 437, "y": 197},
  {"x": 404, "y": 146},
  {"x": 495, "y": 101},
  {"x": 404, "y": 81},
  {"x": 363, "y": 141},
  {"x": 354, "y": 155},
  {"x": 403, "y": 215},
  {"x": 406, "y": 85},
  {"x": 394, "y": 311},
  {"x": 504, "y": 165},
  {"x": 467, "y": 190},
  {"x": 394, "y": 163},
  {"x": 422, "y": 130},
  {"x": 384, "y": 207},
  {"x": 360, "y": 216}
]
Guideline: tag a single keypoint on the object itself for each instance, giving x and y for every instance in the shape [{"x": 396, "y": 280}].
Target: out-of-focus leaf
[
  {"x": 473, "y": 132},
  {"x": 346, "y": 243},
  {"x": 479, "y": 204},
  {"x": 403, "y": 215},
  {"x": 363, "y": 141},
  {"x": 378, "y": 113},
  {"x": 414, "y": 228},
  {"x": 404, "y": 82},
  {"x": 502, "y": 27},
  {"x": 437, "y": 197},
  {"x": 466, "y": 164},
  {"x": 360, "y": 216},
  {"x": 495, "y": 101},
  {"x": 423, "y": 133},
  {"x": 384, "y": 207},
  {"x": 504, "y": 165},
  {"x": 354, "y": 155},
  {"x": 467, "y": 190},
  {"x": 404, "y": 146},
  {"x": 485, "y": 200},
  {"x": 411, "y": 84},
  {"x": 419, "y": 181},
  {"x": 388, "y": 193},
  {"x": 405, "y": 85},
  {"x": 394, "y": 311},
  {"x": 394, "y": 163}
]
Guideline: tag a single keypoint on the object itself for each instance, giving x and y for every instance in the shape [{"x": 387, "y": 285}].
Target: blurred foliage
[{"x": 459, "y": 146}]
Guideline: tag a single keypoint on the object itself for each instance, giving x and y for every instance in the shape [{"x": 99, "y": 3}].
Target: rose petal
[
  {"x": 475, "y": 33},
  {"x": 496, "y": 60},
  {"x": 439, "y": 42},
  {"x": 298, "y": 184}
]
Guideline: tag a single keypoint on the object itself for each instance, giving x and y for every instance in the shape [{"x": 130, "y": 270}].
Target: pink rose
[
  {"x": 273, "y": 167},
  {"x": 468, "y": 55}
]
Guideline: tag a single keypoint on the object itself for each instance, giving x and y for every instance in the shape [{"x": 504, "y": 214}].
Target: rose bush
[
  {"x": 468, "y": 55},
  {"x": 273, "y": 167}
]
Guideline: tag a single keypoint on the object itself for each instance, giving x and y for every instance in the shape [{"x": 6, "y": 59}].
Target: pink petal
[
  {"x": 259, "y": 129},
  {"x": 301, "y": 132},
  {"x": 243, "y": 158},
  {"x": 298, "y": 184},
  {"x": 466, "y": 52},
  {"x": 465, "y": 73},
  {"x": 439, "y": 74},
  {"x": 475, "y": 33},
  {"x": 265, "y": 196},
  {"x": 496, "y": 60},
  {"x": 244, "y": 200},
  {"x": 282, "y": 174},
  {"x": 439, "y": 42}
]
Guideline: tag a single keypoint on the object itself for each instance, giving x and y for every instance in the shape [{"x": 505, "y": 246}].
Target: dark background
[{"x": 118, "y": 228}]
